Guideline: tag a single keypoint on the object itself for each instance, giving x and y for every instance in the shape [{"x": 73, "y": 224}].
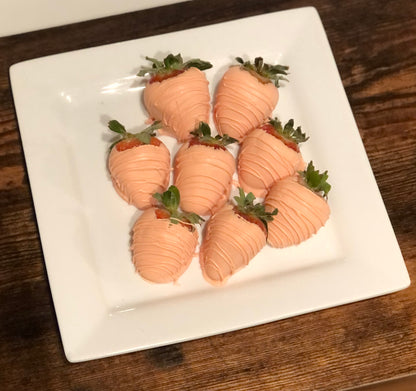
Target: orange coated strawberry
[
  {"x": 203, "y": 171},
  {"x": 233, "y": 236},
  {"x": 303, "y": 210},
  {"x": 177, "y": 94},
  {"x": 268, "y": 154},
  {"x": 139, "y": 165},
  {"x": 164, "y": 239},
  {"x": 246, "y": 96}
]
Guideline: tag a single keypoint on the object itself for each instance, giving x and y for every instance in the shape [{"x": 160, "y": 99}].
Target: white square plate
[{"x": 63, "y": 103}]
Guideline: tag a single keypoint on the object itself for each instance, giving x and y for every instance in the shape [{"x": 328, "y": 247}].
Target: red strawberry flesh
[
  {"x": 133, "y": 142},
  {"x": 155, "y": 141},
  {"x": 123, "y": 145},
  {"x": 163, "y": 76},
  {"x": 162, "y": 213}
]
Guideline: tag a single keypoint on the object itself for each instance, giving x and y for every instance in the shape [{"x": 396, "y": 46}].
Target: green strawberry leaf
[
  {"x": 202, "y": 131},
  {"x": 170, "y": 201},
  {"x": 265, "y": 72},
  {"x": 193, "y": 218},
  {"x": 172, "y": 63},
  {"x": 197, "y": 63},
  {"x": 316, "y": 181},
  {"x": 289, "y": 132},
  {"x": 116, "y": 127},
  {"x": 246, "y": 206},
  {"x": 144, "y": 136},
  {"x": 226, "y": 139},
  {"x": 158, "y": 198},
  {"x": 203, "y": 134}
]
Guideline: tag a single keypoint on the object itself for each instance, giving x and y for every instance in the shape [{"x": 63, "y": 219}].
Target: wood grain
[{"x": 374, "y": 44}]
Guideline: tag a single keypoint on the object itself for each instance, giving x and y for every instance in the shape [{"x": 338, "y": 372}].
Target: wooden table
[{"x": 374, "y": 43}]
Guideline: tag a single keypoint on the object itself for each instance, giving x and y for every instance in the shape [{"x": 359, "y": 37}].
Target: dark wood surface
[{"x": 374, "y": 44}]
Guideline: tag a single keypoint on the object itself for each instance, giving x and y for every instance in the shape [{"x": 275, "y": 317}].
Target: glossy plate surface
[{"x": 63, "y": 104}]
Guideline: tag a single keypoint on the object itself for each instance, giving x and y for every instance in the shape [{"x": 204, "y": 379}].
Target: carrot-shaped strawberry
[
  {"x": 164, "y": 239},
  {"x": 233, "y": 236},
  {"x": 177, "y": 94},
  {"x": 139, "y": 165},
  {"x": 246, "y": 96},
  {"x": 203, "y": 171},
  {"x": 303, "y": 210},
  {"x": 269, "y": 153}
]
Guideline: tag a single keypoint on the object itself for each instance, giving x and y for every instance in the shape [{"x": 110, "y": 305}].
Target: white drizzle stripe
[
  {"x": 180, "y": 102},
  {"x": 242, "y": 102},
  {"x": 263, "y": 160},
  {"x": 162, "y": 251},
  {"x": 301, "y": 213},
  {"x": 203, "y": 176},
  {"x": 137, "y": 173},
  {"x": 229, "y": 244}
]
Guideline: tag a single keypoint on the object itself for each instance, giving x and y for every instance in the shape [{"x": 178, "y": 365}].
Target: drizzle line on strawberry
[
  {"x": 202, "y": 136},
  {"x": 315, "y": 181},
  {"x": 265, "y": 73},
  {"x": 290, "y": 136},
  {"x": 168, "y": 209},
  {"x": 253, "y": 213},
  {"x": 126, "y": 140},
  {"x": 171, "y": 66}
]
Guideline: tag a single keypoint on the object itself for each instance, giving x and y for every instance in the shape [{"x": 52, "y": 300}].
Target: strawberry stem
[
  {"x": 245, "y": 205},
  {"x": 316, "y": 181},
  {"x": 288, "y": 132},
  {"x": 266, "y": 73},
  {"x": 170, "y": 200},
  {"x": 144, "y": 136},
  {"x": 172, "y": 63},
  {"x": 203, "y": 134}
]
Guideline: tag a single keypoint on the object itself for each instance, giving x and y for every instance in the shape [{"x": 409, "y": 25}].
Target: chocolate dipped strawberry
[
  {"x": 164, "y": 239},
  {"x": 269, "y": 153},
  {"x": 203, "y": 171},
  {"x": 303, "y": 208},
  {"x": 177, "y": 94},
  {"x": 233, "y": 236},
  {"x": 246, "y": 96},
  {"x": 139, "y": 164}
]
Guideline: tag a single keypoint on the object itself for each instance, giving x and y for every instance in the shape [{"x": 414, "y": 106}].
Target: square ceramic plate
[{"x": 63, "y": 103}]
